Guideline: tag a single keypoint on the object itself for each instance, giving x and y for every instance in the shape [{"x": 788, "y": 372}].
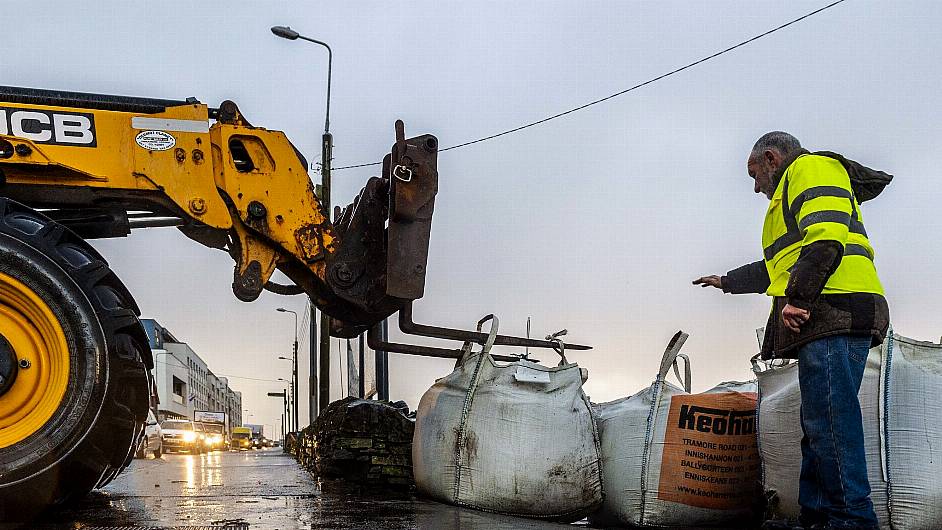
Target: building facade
[{"x": 184, "y": 382}]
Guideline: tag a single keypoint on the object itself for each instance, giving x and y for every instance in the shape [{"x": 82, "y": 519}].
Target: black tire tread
[{"x": 112, "y": 440}]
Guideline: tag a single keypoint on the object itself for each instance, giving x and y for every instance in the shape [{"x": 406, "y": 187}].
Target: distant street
[{"x": 263, "y": 489}]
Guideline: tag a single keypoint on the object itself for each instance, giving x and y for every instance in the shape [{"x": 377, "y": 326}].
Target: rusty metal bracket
[
  {"x": 411, "y": 169},
  {"x": 374, "y": 342},
  {"x": 409, "y": 327}
]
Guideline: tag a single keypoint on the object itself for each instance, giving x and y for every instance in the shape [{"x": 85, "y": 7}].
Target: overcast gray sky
[{"x": 596, "y": 222}]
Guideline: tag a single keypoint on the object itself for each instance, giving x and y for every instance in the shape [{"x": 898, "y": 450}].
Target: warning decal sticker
[{"x": 711, "y": 456}]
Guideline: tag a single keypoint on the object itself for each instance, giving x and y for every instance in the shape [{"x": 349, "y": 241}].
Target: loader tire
[{"x": 73, "y": 412}]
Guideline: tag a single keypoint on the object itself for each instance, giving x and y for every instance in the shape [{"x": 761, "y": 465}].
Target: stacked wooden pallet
[{"x": 361, "y": 442}]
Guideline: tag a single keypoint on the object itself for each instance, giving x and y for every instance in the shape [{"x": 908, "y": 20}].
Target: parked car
[
  {"x": 152, "y": 440},
  {"x": 241, "y": 438},
  {"x": 181, "y": 435}
]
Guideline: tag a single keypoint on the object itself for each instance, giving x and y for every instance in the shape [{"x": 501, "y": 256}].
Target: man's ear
[{"x": 770, "y": 156}]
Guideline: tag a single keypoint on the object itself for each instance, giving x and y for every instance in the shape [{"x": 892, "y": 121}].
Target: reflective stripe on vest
[{"x": 833, "y": 216}]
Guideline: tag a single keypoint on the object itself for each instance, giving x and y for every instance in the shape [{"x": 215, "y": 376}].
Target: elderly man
[{"x": 828, "y": 310}]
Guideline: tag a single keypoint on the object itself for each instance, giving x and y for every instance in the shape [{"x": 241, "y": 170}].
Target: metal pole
[
  {"x": 294, "y": 362},
  {"x": 330, "y": 61},
  {"x": 286, "y": 415},
  {"x": 386, "y": 361},
  {"x": 382, "y": 374},
  {"x": 312, "y": 378},
  {"x": 378, "y": 365},
  {"x": 288, "y": 406},
  {"x": 326, "y": 150},
  {"x": 362, "y": 387},
  {"x": 295, "y": 375}
]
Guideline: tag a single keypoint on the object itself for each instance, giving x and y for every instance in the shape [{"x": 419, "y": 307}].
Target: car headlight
[{"x": 189, "y": 436}]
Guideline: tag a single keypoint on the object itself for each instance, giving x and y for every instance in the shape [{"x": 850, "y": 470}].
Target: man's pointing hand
[{"x": 710, "y": 281}]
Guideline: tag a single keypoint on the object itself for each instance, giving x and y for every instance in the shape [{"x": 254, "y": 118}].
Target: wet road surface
[{"x": 261, "y": 490}]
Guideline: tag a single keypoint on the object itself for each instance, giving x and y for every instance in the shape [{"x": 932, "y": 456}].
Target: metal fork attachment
[
  {"x": 409, "y": 327},
  {"x": 405, "y": 197}
]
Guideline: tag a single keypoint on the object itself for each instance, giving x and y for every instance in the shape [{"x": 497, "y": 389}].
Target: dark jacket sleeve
[
  {"x": 816, "y": 263},
  {"x": 748, "y": 279}
]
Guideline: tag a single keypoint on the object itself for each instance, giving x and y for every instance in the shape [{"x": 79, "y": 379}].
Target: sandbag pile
[
  {"x": 364, "y": 443},
  {"x": 675, "y": 459},
  {"x": 516, "y": 439},
  {"x": 901, "y": 405},
  {"x": 522, "y": 439}
]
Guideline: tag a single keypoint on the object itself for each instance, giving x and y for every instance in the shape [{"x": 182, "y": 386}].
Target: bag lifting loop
[
  {"x": 488, "y": 344},
  {"x": 669, "y": 360},
  {"x": 559, "y": 345}
]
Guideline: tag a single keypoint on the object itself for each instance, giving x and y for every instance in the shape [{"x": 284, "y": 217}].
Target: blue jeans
[{"x": 833, "y": 489}]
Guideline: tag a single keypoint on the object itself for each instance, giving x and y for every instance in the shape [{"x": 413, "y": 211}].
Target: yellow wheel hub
[{"x": 38, "y": 342}]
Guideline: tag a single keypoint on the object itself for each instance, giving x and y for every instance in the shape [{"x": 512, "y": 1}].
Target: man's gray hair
[{"x": 782, "y": 142}]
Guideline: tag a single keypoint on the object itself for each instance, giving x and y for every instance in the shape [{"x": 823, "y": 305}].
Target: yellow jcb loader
[{"x": 75, "y": 363}]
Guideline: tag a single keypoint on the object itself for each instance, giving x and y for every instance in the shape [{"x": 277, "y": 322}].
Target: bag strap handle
[
  {"x": 488, "y": 344},
  {"x": 686, "y": 379},
  {"x": 671, "y": 353},
  {"x": 559, "y": 346},
  {"x": 469, "y": 395}
]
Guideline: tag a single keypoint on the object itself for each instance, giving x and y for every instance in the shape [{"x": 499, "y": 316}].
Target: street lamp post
[
  {"x": 284, "y": 396},
  {"x": 292, "y": 396},
  {"x": 294, "y": 356},
  {"x": 327, "y": 145}
]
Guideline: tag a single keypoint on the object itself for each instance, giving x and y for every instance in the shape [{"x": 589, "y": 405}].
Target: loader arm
[{"x": 105, "y": 164}]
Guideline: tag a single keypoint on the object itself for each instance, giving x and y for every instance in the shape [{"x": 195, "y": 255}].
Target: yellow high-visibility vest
[{"x": 815, "y": 202}]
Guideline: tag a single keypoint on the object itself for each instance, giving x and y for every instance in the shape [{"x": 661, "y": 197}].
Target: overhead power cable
[{"x": 625, "y": 91}]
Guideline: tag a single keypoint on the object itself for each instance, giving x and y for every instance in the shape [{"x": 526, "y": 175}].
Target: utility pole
[
  {"x": 362, "y": 389},
  {"x": 327, "y": 144},
  {"x": 294, "y": 363},
  {"x": 295, "y": 383},
  {"x": 288, "y": 406},
  {"x": 382, "y": 366},
  {"x": 287, "y": 414},
  {"x": 326, "y": 151},
  {"x": 312, "y": 376},
  {"x": 284, "y": 415}
]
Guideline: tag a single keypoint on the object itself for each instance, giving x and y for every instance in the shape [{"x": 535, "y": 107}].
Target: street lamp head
[
  {"x": 281, "y": 310},
  {"x": 285, "y": 358},
  {"x": 285, "y": 32}
]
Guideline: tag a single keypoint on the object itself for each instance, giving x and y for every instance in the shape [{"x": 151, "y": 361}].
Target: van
[{"x": 241, "y": 438}]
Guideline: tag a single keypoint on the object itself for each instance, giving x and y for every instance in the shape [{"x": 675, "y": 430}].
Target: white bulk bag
[
  {"x": 672, "y": 458},
  {"x": 517, "y": 439},
  {"x": 901, "y": 406},
  {"x": 780, "y": 433}
]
